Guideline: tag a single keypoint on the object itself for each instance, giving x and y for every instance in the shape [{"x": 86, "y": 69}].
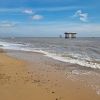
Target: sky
[{"x": 49, "y": 18}]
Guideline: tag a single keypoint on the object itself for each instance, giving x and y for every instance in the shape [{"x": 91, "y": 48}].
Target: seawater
[{"x": 81, "y": 51}]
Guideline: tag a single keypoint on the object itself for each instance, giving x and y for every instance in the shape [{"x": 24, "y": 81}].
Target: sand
[{"x": 22, "y": 80}]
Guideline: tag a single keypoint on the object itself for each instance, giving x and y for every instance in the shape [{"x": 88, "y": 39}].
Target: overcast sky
[{"x": 49, "y": 17}]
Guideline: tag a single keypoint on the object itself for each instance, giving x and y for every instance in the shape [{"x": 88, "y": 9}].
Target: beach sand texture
[{"x": 43, "y": 82}]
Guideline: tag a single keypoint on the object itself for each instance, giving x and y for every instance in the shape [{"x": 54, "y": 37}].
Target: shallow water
[{"x": 81, "y": 51}]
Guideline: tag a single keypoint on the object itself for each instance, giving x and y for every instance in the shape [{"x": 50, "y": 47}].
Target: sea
[{"x": 84, "y": 51}]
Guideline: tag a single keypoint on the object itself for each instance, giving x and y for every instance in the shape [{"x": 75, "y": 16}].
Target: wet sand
[{"x": 39, "y": 79}]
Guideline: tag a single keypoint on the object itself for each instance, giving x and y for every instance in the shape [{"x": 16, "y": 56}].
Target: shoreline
[
  {"x": 74, "y": 58},
  {"x": 39, "y": 79}
]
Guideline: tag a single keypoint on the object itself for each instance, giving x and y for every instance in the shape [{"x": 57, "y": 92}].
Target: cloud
[
  {"x": 56, "y": 9},
  {"x": 6, "y": 24},
  {"x": 37, "y": 17},
  {"x": 10, "y": 10},
  {"x": 43, "y": 9},
  {"x": 53, "y": 29},
  {"x": 82, "y": 16},
  {"x": 28, "y": 11},
  {"x": 32, "y": 14}
]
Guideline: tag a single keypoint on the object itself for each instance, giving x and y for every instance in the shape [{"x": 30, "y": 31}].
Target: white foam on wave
[
  {"x": 15, "y": 46},
  {"x": 7, "y": 45},
  {"x": 74, "y": 61}
]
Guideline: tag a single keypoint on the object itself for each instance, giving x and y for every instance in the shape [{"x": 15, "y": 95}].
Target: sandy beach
[{"x": 39, "y": 79}]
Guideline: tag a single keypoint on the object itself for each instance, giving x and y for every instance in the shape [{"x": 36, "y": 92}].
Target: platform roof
[{"x": 69, "y": 33}]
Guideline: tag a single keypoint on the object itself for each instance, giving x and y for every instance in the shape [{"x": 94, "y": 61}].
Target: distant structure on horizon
[
  {"x": 60, "y": 36},
  {"x": 70, "y": 35}
]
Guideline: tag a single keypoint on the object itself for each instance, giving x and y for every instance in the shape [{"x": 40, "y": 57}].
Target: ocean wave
[{"x": 70, "y": 58}]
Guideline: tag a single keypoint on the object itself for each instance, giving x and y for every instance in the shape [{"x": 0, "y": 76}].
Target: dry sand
[{"x": 20, "y": 80}]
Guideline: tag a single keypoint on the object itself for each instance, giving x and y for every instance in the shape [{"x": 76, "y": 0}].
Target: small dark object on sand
[{"x": 53, "y": 92}]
